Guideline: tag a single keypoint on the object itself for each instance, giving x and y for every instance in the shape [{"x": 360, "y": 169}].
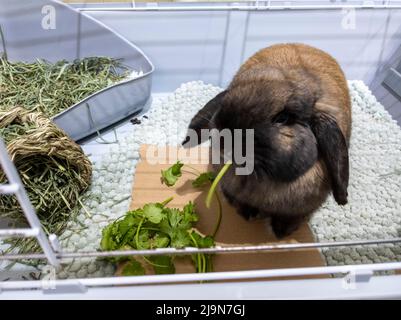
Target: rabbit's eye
[{"x": 282, "y": 118}]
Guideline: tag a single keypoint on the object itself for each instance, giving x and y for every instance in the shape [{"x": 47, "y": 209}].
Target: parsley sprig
[{"x": 156, "y": 226}]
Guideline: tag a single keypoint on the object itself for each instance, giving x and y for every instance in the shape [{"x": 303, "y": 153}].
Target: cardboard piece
[{"x": 147, "y": 187}]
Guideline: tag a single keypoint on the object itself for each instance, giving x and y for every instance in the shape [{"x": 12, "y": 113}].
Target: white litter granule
[{"x": 373, "y": 211}]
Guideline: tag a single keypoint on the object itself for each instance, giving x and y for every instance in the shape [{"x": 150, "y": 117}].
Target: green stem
[
  {"x": 198, "y": 258},
  {"x": 215, "y": 183},
  {"x": 165, "y": 202},
  {"x": 203, "y": 263},
  {"x": 137, "y": 233},
  {"x": 154, "y": 264},
  {"x": 219, "y": 215}
]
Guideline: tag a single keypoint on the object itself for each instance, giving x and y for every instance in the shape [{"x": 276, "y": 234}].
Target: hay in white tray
[{"x": 374, "y": 209}]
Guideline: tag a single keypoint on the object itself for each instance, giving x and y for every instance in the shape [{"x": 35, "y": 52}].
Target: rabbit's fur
[{"x": 296, "y": 99}]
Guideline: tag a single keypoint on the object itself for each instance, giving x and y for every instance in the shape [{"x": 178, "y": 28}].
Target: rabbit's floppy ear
[
  {"x": 201, "y": 121},
  {"x": 333, "y": 148}
]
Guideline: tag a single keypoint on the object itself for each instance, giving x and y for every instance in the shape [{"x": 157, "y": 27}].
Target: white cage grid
[{"x": 53, "y": 254}]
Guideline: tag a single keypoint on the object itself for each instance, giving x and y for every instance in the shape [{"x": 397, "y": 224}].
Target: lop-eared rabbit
[{"x": 295, "y": 98}]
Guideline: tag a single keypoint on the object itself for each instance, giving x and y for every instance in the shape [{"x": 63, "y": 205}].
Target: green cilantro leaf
[
  {"x": 153, "y": 212},
  {"x": 156, "y": 226},
  {"x": 165, "y": 227},
  {"x": 189, "y": 213},
  {"x": 108, "y": 242},
  {"x": 203, "y": 179},
  {"x": 160, "y": 241},
  {"x": 162, "y": 264},
  {"x": 206, "y": 242},
  {"x": 133, "y": 268},
  {"x": 175, "y": 217},
  {"x": 126, "y": 229},
  {"x": 180, "y": 238},
  {"x": 202, "y": 242},
  {"x": 171, "y": 175},
  {"x": 143, "y": 240}
]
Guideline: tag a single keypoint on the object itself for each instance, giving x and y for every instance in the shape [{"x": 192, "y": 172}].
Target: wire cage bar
[
  {"x": 360, "y": 273},
  {"x": 193, "y": 250}
]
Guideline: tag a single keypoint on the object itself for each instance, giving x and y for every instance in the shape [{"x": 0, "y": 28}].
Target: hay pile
[
  {"x": 53, "y": 87},
  {"x": 53, "y": 169}
]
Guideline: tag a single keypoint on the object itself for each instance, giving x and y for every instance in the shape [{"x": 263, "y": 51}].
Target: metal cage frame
[{"x": 54, "y": 255}]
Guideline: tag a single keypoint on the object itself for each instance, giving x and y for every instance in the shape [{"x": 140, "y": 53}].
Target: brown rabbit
[{"x": 296, "y": 99}]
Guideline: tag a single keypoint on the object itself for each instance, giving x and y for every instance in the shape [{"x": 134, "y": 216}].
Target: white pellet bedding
[{"x": 373, "y": 210}]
